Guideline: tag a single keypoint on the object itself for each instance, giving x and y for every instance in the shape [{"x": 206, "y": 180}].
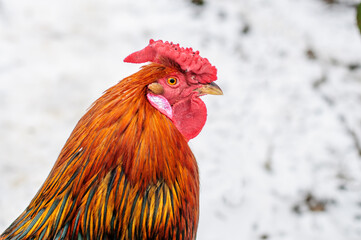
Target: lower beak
[{"x": 211, "y": 88}]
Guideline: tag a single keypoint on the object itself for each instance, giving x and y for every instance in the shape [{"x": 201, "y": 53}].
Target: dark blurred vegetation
[{"x": 198, "y": 2}]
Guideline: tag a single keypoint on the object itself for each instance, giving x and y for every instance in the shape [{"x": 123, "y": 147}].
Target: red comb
[{"x": 188, "y": 60}]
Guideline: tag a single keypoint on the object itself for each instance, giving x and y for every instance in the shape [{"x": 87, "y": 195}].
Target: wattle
[{"x": 188, "y": 115}]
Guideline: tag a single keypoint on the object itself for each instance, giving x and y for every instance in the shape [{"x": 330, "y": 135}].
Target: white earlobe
[{"x": 160, "y": 103}]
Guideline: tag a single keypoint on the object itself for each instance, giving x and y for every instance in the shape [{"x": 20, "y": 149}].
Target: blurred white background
[{"x": 280, "y": 155}]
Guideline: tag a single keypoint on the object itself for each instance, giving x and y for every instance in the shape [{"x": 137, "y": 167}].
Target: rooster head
[{"x": 177, "y": 94}]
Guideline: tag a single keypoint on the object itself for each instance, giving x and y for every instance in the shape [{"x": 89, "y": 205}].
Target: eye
[{"x": 172, "y": 81}]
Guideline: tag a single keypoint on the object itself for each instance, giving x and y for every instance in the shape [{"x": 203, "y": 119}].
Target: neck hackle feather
[{"x": 125, "y": 172}]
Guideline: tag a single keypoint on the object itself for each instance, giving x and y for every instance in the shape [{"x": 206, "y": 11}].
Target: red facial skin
[{"x": 189, "y": 111}]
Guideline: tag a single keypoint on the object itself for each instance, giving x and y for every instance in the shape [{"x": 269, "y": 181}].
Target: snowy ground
[{"x": 280, "y": 156}]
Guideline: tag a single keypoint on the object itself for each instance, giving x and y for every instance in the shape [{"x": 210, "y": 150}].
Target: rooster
[{"x": 126, "y": 171}]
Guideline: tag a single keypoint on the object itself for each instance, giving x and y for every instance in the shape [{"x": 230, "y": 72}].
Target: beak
[{"x": 212, "y": 89}]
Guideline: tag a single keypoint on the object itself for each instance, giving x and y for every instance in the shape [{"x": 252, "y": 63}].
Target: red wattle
[{"x": 189, "y": 116}]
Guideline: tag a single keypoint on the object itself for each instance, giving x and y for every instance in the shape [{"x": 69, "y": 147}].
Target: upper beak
[{"x": 210, "y": 88}]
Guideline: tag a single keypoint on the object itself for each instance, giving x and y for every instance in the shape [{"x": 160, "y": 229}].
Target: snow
[{"x": 280, "y": 154}]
